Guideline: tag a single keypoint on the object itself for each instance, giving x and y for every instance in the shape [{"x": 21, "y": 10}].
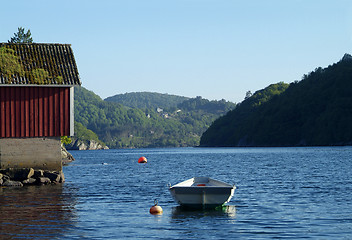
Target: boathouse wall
[
  {"x": 37, "y": 153},
  {"x": 36, "y": 112}
]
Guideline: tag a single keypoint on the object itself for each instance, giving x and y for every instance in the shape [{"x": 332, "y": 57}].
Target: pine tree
[{"x": 21, "y": 37}]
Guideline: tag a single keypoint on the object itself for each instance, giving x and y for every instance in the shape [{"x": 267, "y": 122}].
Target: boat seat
[{"x": 200, "y": 181}]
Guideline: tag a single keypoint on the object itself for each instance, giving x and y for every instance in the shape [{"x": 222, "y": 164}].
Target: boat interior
[{"x": 201, "y": 182}]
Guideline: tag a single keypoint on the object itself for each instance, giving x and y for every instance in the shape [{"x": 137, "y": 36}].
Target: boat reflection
[
  {"x": 33, "y": 211},
  {"x": 228, "y": 211}
]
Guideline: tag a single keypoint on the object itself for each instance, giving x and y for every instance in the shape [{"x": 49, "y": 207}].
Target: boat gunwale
[{"x": 194, "y": 180}]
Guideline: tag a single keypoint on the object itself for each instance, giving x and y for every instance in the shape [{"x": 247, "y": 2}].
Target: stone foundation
[
  {"x": 18, "y": 177},
  {"x": 37, "y": 153}
]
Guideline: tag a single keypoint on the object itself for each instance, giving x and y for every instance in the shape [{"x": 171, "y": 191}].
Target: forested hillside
[
  {"x": 119, "y": 126},
  {"x": 146, "y": 100},
  {"x": 316, "y": 111}
]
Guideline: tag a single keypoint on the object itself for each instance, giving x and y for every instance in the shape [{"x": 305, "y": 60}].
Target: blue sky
[{"x": 217, "y": 49}]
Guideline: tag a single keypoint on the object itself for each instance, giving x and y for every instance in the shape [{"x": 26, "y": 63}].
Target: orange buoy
[
  {"x": 142, "y": 160},
  {"x": 156, "y": 210}
]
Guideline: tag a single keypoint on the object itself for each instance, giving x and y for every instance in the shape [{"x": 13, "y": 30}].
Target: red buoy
[
  {"x": 142, "y": 160},
  {"x": 156, "y": 210}
]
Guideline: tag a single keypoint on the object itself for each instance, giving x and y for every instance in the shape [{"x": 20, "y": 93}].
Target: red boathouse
[{"x": 36, "y": 103}]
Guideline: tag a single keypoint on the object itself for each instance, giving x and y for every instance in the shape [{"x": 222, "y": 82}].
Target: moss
[
  {"x": 59, "y": 80},
  {"x": 39, "y": 76},
  {"x": 10, "y": 64}
]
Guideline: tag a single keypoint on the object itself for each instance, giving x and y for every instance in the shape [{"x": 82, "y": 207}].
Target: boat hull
[{"x": 202, "y": 196}]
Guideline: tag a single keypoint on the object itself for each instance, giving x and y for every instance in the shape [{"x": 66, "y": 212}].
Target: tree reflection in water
[{"x": 36, "y": 211}]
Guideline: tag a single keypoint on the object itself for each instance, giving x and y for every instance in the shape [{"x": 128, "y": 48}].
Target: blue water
[{"x": 284, "y": 193}]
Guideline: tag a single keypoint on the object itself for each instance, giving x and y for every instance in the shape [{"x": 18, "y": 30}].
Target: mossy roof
[{"x": 56, "y": 59}]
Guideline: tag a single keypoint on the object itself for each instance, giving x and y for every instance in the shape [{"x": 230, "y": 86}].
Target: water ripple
[{"x": 285, "y": 193}]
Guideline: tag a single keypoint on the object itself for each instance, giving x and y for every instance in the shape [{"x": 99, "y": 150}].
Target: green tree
[
  {"x": 21, "y": 36},
  {"x": 248, "y": 95},
  {"x": 315, "y": 111},
  {"x": 121, "y": 126}
]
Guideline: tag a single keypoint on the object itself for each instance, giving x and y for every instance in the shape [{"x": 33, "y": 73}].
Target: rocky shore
[
  {"x": 18, "y": 177},
  {"x": 85, "y": 145},
  {"x": 66, "y": 157}
]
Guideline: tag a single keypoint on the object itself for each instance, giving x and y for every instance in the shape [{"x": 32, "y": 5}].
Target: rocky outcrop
[
  {"x": 18, "y": 177},
  {"x": 66, "y": 157},
  {"x": 85, "y": 145}
]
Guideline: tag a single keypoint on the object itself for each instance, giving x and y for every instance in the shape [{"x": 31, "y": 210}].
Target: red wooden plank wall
[{"x": 34, "y": 112}]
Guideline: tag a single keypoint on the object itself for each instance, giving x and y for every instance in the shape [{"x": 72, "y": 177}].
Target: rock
[
  {"x": 54, "y": 177},
  {"x": 11, "y": 183},
  {"x": 62, "y": 177},
  {"x": 19, "y": 174},
  {"x": 87, "y": 145},
  {"x": 38, "y": 173},
  {"x": 13, "y": 177},
  {"x": 5, "y": 177},
  {"x": 76, "y": 145},
  {"x": 43, "y": 180},
  {"x": 29, "y": 181},
  {"x": 93, "y": 145},
  {"x": 81, "y": 145},
  {"x": 66, "y": 157}
]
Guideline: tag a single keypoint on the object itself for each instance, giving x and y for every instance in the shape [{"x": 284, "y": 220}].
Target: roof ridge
[{"x": 7, "y": 43}]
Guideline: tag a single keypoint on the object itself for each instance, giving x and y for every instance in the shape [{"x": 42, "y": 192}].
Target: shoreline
[{"x": 19, "y": 177}]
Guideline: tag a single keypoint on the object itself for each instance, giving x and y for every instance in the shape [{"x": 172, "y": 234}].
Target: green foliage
[
  {"x": 200, "y": 104},
  {"x": 315, "y": 111},
  {"x": 66, "y": 140},
  {"x": 84, "y": 134},
  {"x": 59, "y": 79},
  {"x": 9, "y": 64},
  {"x": 21, "y": 36},
  {"x": 146, "y": 100},
  {"x": 248, "y": 95},
  {"x": 236, "y": 124},
  {"x": 39, "y": 76},
  {"x": 125, "y": 127}
]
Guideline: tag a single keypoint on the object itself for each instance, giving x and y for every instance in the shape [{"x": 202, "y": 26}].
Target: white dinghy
[{"x": 202, "y": 192}]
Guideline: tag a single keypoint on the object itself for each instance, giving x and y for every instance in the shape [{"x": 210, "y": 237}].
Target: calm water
[{"x": 281, "y": 193}]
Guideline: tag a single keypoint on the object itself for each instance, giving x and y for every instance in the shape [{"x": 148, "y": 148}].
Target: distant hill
[
  {"x": 174, "y": 125},
  {"x": 316, "y": 111},
  {"x": 200, "y": 104},
  {"x": 146, "y": 100},
  {"x": 84, "y": 139}
]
